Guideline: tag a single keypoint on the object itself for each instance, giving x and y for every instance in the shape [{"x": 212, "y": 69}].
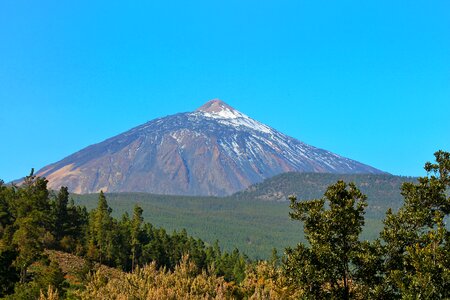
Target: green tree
[
  {"x": 60, "y": 214},
  {"x": 101, "y": 231},
  {"x": 417, "y": 242},
  {"x": 75, "y": 228},
  {"x": 31, "y": 208},
  {"x": 28, "y": 239},
  {"x": 332, "y": 225},
  {"x": 136, "y": 233},
  {"x": 8, "y": 273},
  {"x": 50, "y": 274},
  {"x": 32, "y": 197},
  {"x": 6, "y": 216},
  {"x": 45, "y": 273}
]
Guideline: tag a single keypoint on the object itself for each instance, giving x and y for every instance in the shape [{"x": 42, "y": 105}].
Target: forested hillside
[
  {"x": 35, "y": 219},
  {"x": 256, "y": 220},
  {"x": 254, "y": 227},
  {"x": 382, "y": 190},
  {"x": 52, "y": 249}
]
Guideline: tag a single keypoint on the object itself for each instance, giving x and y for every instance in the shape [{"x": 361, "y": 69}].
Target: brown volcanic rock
[{"x": 215, "y": 150}]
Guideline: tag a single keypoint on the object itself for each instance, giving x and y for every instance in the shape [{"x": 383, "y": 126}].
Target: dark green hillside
[
  {"x": 254, "y": 227},
  {"x": 383, "y": 190},
  {"x": 246, "y": 222}
]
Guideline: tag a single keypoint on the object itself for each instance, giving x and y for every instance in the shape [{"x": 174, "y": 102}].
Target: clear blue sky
[{"x": 369, "y": 80}]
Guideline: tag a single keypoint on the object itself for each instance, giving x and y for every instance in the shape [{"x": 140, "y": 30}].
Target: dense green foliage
[
  {"x": 246, "y": 222},
  {"x": 254, "y": 227},
  {"x": 417, "y": 251},
  {"x": 409, "y": 260},
  {"x": 34, "y": 219},
  {"x": 332, "y": 226},
  {"x": 382, "y": 190}
]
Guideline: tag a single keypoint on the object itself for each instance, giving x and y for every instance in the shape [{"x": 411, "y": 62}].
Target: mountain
[{"x": 215, "y": 150}]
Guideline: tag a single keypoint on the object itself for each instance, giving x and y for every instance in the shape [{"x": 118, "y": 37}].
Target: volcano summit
[{"x": 215, "y": 150}]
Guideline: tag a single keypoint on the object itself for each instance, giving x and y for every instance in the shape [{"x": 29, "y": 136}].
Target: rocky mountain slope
[{"x": 215, "y": 150}]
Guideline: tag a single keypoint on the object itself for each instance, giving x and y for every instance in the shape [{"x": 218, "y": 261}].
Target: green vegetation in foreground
[
  {"x": 34, "y": 219},
  {"x": 248, "y": 220},
  {"x": 409, "y": 260},
  {"x": 52, "y": 249}
]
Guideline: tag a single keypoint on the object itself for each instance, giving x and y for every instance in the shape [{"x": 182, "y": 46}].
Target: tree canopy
[{"x": 409, "y": 260}]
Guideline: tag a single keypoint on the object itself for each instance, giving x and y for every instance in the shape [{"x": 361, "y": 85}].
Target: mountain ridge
[{"x": 214, "y": 150}]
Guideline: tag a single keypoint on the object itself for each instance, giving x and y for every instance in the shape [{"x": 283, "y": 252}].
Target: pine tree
[
  {"x": 31, "y": 208},
  {"x": 101, "y": 230},
  {"x": 332, "y": 227},
  {"x": 60, "y": 214},
  {"x": 417, "y": 241},
  {"x": 136, "y": 232}
]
